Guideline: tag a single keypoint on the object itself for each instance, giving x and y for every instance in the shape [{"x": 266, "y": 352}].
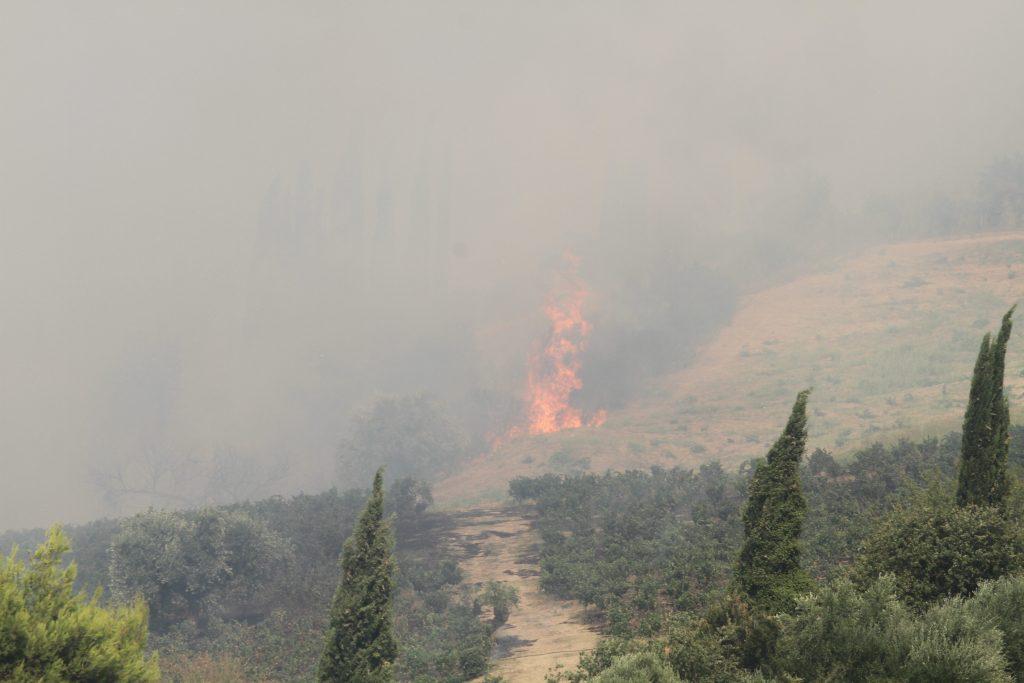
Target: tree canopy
[
  {"x": 50, "y": 633},
  {"x": 768, "y": 572},
  {"x": 983, "y": 478},
  {"x": 360, "y": 644},
  {"x": 411, "y": 436}
]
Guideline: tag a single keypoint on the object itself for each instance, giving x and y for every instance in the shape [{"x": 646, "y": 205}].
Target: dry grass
[{"x": 887, "y": 340}]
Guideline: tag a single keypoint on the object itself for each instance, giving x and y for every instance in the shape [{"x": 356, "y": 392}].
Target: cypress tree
[
  {"x": 983, "y": 479},
  {"x": 768, "y": 571},
  {"x": 360, "y": 645}
]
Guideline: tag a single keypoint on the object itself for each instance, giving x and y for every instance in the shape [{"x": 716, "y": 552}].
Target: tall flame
[{"x": 554, "y": 370}]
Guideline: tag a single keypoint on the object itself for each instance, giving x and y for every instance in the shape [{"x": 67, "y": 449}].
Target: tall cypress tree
[
  {"x": 360, "y": 645},
  {"x": 983, "y": 479},
  {"x": 768, "y": 571}
]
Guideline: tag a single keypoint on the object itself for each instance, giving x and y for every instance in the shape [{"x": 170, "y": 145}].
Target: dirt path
[{"x": 500, "y": 545}]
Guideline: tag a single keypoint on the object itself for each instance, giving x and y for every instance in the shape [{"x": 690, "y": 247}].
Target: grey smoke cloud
[{"x": 225, "y": 226}]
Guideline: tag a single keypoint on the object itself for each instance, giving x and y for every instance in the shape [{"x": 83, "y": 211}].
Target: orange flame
[{"x": 554, "y": 371}]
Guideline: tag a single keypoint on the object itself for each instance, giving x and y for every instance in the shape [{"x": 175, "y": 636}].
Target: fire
[{"x": 554, "y": 370}]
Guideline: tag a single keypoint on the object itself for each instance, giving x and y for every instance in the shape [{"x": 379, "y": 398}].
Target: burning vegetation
[{"x": 553, "y": 374}]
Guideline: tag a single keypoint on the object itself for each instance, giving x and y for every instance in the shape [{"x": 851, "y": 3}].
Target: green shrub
[
  {"x": 937, "y": 550},
  {"x": 641, "y": 667},
  {"x": 950, "y": 643},
  {"x": 195, "y": 565},
  {"x": 747, "y": 635},
  {"x": 600, "y": 659},
  {"x": 49, "y": 633},
  {"x": 1001, "y": 602},
  {"x": 502, "y": 598},
  {"x": 696, "y": 654},
  {"x": 842, "y": 634}
]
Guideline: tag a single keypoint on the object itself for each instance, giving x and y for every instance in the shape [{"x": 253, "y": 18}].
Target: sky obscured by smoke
[{"x": 226, "y": 226}]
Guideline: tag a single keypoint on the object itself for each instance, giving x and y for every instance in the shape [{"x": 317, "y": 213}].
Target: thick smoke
[{"x": 228, "y": 227}]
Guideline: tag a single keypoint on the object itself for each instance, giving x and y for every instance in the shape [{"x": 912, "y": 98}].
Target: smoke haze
[{"x": 228, "y": 226}]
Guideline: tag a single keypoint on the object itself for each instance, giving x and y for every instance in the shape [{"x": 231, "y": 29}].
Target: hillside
[{"x": 887, "y": 339}]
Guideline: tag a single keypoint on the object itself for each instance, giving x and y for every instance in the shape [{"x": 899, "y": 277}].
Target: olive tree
[{"x": 191, "y": 565}]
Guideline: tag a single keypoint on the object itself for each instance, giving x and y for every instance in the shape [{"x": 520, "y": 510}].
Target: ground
[
  {"x": 887, "y": 340},
  {"x": 500, "y": 544}
]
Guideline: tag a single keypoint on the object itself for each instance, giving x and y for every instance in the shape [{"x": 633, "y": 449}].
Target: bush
[
  {"x": 937, "y": 550},
  {"x": 193, "y": 565},
  {"x": 599, "y": 659},
  {"x": 950, "y": 643},
  {"x": 1001, "y": 602},
  {"x": 747, "y": 635},
  {"x": 640, "y": 667},
  {"x": 697, "y": 655},
  {"x": 502, "y": 598},
  {"x": 48, "y": 633},
  {"x": 842, "y": 634}
]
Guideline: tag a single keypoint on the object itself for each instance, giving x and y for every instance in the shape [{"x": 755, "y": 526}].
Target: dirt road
[{"x": 500, "y": 545}]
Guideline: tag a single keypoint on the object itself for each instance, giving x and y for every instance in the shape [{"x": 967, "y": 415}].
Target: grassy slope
[{"x": 887, "y": 339}]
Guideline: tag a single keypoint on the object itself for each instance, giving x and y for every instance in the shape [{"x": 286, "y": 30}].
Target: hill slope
[{"x": 887, "y": 339}]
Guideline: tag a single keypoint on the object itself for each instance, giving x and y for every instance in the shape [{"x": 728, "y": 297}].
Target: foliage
[
  {"x": 441, "y": 644},
  {"x": 90, "y": 548},
  {"x": 746, "y": 634},
  {"x": 983, "y": 478},
  {"x": 690, "y": 649},
  {"x": 277, "y": 632},
  {"x": 599, "y": 659},
  {"x": 696, "y": 653},
  {"x": 360, "y": 644},
  {"x": 842, "y": 634},
  {"x": 50, "y": 633},
  {"x": 440, "y": 635},
  {"x": 410, "y": 435},
  {"x": 407, "y": 500},
  {"x": 1001, "y": 602},
  {"x": 617, "y": 540},
  {"x": 935, "y": 549},
  {"x": 645, "y": 546},
  {"x": 284, "y": 646},
  {"x": 847, "y": 500},
  {"x": 195, "y": 564},
  {"x": 501, "y": 597},
  {"x": 641, "y": 667},
  {"x": 768, "y": 571},
  {"x": 639, "y": 544}
]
